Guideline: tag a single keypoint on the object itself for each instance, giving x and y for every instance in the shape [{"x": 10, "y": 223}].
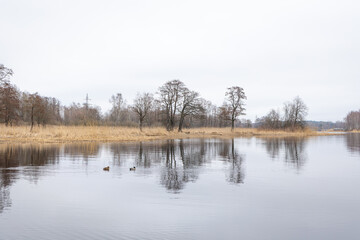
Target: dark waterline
[{"x": 248, "y": 188}]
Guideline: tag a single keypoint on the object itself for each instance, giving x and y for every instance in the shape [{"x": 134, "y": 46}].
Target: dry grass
[{"x": 63, "y": 134}]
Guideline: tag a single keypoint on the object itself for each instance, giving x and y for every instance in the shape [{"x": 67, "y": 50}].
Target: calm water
[{"x": 245, "y": 188}]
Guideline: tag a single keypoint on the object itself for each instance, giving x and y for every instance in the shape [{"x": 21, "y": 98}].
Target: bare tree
[
  {"x": 54, "y": 108},
  {"x": 93, "y": 115},
  {"x": 210, "y": 113},
  {"x": 118, "y": 103},
  {"x": 32, "y": 104},
  {"x": 295, "y": 113},
  {"x": 246, "y": 123},
  {"x": 293, "y": 118},
  {"x": 40, "y": 112},
  {"x": 190, "y": 105},
  {"x": 5, "y": 73},
  {"x": 9, "y": 102},
  {"x": 9, "y": 96},
  {"x": 235, "y": 97},
  {"x": 156, "y": 116},
  {"x": 352, "y": 120},
  {"x": 272, "y": 120},
  {"x": 223, "y": 115},
  {"x": 76, "y": 114},
  {"x": 142, "y": 106},
  {"x": 170, "y": 94},
  {"x": 30, "y": 107}
]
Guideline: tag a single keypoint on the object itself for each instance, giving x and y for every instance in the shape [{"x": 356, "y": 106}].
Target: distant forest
[{"x": 173, "y": 106}]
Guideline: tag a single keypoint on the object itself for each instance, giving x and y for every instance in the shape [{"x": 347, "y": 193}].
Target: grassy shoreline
[{"x": 72, "y": 134}]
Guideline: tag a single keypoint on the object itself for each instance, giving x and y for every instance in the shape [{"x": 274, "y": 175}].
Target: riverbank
[{"x": 65, "y": 134}]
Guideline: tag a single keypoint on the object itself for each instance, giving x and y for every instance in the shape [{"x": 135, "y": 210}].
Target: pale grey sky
[{"x": 275, "y": 50}]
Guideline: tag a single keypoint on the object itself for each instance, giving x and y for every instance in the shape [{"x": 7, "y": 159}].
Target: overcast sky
[{"x": 275, "y": 50}]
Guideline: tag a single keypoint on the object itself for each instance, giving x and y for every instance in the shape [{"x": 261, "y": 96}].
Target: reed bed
[
  {"x": 355, "y": 131},
  {"x": 63, "y": 134}
]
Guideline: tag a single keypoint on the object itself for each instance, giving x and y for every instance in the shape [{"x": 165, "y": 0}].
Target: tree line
[
  {"x": 291, "y": 117},
  {"x": 352, "y": 120},
  {"x": 174, "y": 106}
]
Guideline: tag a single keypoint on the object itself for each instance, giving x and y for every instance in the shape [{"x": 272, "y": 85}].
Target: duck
[
  {"x": 133, "y": 168},
  {"x": 106, "y": 168}
]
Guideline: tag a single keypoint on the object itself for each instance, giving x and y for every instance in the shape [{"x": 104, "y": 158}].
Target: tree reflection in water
[
  {"x": 353, "y": 142},
  {"x": 185, "y": 159},
  {"x": 6, "y": 180},
  {"x": 33, "y": 156},
  {"x": 236, "y": 173},
  {"x": 14, "y": 156},
  {"x": 120, "y": 153},
  {"x": 82, "y": 151},
  {"x": 273, "y": 146},
  {"x": 179, "y": 161},
  {"x": 29, "y": 161},
  {"x": 170, "y": 174},
  {"x": 182, "y": 163},
  {"x": 143, "y": 155},
  {"x": 292, "y": 150},
  {"x": 230, "y": 154}
]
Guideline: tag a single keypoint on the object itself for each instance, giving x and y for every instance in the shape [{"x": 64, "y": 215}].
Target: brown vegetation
[
  {"x": 293, "y": 117},
  {"x": 174, "y": 104},
  {"x": 63, "y": 134},
  {"x": 352, "y": 121}
]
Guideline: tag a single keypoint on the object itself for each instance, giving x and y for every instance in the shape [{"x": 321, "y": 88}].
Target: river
[{"x": 242, "y": 188}]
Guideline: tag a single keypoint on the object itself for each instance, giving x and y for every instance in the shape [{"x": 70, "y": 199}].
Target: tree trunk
[
  {"x": 6, "y": 117},
  {"x": 168, "y": 127},
  {"x": 171, "y": 124},
  {"x": 140, "y": 124},
  {"x": 168, "y": 121},
  {"x": 181, "y": 122}
]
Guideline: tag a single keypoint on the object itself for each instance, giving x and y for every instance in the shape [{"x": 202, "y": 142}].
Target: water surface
[{"x": 248, "y": 188}]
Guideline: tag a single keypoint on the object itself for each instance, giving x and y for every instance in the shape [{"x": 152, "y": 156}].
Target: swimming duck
[
  {"x": 106, "y": 168},
  {"x": 133, "y": 168}
]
